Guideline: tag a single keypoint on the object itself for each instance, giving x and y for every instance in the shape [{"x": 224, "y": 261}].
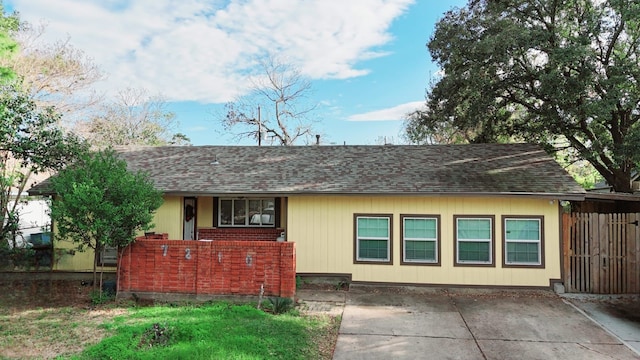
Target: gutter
[{"x": 553, "y": 196}]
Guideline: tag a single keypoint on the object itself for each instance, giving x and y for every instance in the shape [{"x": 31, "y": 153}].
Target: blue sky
[{"x": 366, "y": 59}]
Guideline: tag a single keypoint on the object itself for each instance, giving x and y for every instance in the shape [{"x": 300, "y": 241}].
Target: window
[
  {"x": 246, "y": 212},
  {"x": 523, "y": 243},
  {"x": 108, "y": 256},
  {"x": 474, "y": 240},
  {"x": 420, "y": 239},
  {"x": 372, "y": 239}
]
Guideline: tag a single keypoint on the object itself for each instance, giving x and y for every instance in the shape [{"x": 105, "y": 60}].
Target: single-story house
[{"x": 470, "y": 215}]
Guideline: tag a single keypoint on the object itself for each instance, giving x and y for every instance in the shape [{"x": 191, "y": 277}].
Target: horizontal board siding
[{"x": 322, "y": 228}]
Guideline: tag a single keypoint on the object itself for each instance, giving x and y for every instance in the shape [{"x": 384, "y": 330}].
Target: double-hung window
[
  {"x": 420, "y": 239},
  {"x": 372, "y": 239},
  {"x": 523, "y": 241},
  {"x": 246, "y": 212},
  {"x": 474, "y": 243}
]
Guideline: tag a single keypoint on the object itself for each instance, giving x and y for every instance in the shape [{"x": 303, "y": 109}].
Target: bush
[
  {"x": 157, "y": 335},
  {"x": 22, "y": 257},
  {"x": 98, "y": 297},
  {"x": 280, "y": 305}
]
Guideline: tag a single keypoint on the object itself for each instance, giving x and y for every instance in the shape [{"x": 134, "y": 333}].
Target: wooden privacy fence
[{"x": 601, "y": 253}]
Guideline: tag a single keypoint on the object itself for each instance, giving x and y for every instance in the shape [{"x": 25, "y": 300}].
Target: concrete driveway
[{"x": 422, "y": 323}]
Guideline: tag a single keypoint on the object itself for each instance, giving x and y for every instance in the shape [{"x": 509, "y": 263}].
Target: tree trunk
[
  {"x": 95, "y": 265},
  {"x": 101, "y": 278},
  {"x": 120, "y": 251},
  {"x": 621, "y": 181}
]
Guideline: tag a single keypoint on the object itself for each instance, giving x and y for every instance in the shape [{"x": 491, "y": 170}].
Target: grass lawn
[{"x": 206, "y": 331}]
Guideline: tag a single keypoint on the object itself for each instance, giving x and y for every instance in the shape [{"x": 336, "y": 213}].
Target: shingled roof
[{"x": 513, "y": 169}]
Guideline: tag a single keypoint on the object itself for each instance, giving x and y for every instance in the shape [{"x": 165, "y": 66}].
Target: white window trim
[
  {"x": 247, "y": 220},
  {"x": 387, "y": 238},
  {"x": 539, "y": 242},
  {"x": 491, "y": 240},
  {"x": 405, "y": 239}
]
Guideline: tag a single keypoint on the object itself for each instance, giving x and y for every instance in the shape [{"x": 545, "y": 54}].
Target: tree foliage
[
  {"x": 276, "y": 110},
  {"x": 438, "y": 132},
  {"x": 133, "y": 118},
  {"x": 564, "y": 74},
  {"x": 100, "y": 203},
  {"x": 31, "y": 141},
  {"x": 8, "y": 46}
]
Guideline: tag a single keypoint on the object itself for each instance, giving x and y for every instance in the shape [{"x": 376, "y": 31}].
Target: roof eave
[{"x": 562, "y": 196}]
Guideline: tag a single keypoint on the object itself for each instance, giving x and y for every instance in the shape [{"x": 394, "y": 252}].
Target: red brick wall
[
  {"x": 209, "y": 267},
  {"x": 241, "y": 234}
]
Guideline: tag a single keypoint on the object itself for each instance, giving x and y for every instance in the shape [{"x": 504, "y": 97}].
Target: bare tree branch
[
  {"x": 54, "y": 74},
  {"x": 277, "y": 105},
  {"x": 132, "y": 118}
]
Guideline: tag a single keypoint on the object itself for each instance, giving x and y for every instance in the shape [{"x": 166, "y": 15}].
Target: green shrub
[
  {"x": 103, "y": 297},
  {"x": 156, "y": 335},
  {"x": 280, "y": 305},
  {"x": 22, "y": 257}
]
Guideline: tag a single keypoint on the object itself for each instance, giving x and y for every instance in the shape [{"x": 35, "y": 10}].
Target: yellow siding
[
  {"x": 205, "y": 212},
  {"x": 323, "y": 230},
  {"x": 168, "y": 218},
  {"x": 65, "y": 258}
]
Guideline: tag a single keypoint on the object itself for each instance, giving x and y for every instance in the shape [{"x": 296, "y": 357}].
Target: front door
[{"x": 189, "y": 219}]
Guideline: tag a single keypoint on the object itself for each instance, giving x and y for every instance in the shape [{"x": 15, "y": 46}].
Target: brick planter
[{"x": 197, "y": 268}]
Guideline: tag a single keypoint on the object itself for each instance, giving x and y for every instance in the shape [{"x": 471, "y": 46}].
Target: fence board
[
  {"x": 601, "y": 253},
  {"x": 577, "y": 263},
  {"x": 583, "y": 244},
  {"x": 621, "y": 257},
  {"x": 567, "y": 225},
  {"x": 601, "y": 236},
  {"x": 633, "y": 253}
]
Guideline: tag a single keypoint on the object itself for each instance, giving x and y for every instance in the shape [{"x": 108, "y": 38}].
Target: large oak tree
[{"x": 565, "y": 74}]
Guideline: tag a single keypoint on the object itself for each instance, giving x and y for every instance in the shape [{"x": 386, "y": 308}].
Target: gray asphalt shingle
[{"x": 391, "y": 169}]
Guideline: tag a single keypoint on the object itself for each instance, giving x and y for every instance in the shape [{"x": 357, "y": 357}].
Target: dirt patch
[
  {"x": 328, "y": 337},
  {"x": 324, "y": 286},
  {"x": 46, "y": 318},
  {"x": 51, "y": 332}
]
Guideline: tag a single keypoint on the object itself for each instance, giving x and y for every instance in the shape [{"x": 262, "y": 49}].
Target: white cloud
[
  {"x": 201, "y": 50},
  {"x": 398, "y": 112}
]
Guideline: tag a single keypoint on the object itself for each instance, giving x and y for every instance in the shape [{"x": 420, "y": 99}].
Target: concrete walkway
[
  {"x": 427, "y": 323},
  {"x": 618, "y": 314}
]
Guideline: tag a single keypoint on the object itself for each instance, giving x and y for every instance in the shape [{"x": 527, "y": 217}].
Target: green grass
[{"x": 210, "y": 331}]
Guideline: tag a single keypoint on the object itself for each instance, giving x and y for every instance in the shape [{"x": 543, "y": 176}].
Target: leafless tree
[
  {"x": 276, "y": 110},
  {"x": 132, "y": 118},
  {"x": 54, "y": 74}
]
